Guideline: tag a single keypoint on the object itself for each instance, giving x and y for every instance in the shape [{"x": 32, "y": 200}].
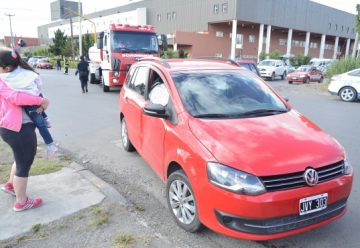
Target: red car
[
  {"x": 234, "y": 155},
  {"x": 305, "y": 74},
  {"x": 44, "y": 64}
]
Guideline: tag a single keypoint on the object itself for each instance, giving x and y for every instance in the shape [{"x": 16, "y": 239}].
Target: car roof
[{"x": 173, "y": 65}]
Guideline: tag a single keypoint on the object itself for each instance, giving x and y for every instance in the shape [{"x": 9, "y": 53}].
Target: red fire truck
[{"x": 117, "y": 49}]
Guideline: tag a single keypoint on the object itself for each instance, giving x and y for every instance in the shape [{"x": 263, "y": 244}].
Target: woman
[{"x": 18, "y": 131}]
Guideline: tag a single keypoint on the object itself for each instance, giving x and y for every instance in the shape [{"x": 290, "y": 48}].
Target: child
[{"x": 18, "y": 75}]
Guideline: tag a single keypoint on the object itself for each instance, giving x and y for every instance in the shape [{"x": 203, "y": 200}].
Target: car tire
[
  {"x": 290, "y": 82},
  {"x": 127, "y": 145},
  {"x": 272, "y": 76},
  {"x": 348, "y": 94},
  {"x": 105, "y": 88},
  {"x": 92, "y": 78},
  {"x": 321, "y": 80},
  {"x": 283, "y": 76},
  {"x": 182, "y": 203},
  {"x": 306, "y": 80}
]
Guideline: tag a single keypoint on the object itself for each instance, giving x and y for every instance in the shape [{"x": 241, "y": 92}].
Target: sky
[{"x": 29, "y": 14}]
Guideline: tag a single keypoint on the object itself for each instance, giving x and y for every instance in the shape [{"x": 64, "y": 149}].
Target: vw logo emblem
[{"x": 311, "y": 177}]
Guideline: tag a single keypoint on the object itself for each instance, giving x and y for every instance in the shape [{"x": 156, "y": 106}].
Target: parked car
[
  {"x": 33, "y": 60},
  {"x": 44, "y": 64},
  {"x": 250, "y": 65},
  {"x": 272, "y": 68},
  {"x": 305, "y": 74},
  {"x": 321, "y": 64},
  {"x": 235, "y": 156},
  {"x": 346, "y": 85}
]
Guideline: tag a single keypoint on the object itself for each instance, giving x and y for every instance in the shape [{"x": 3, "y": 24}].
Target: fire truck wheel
[{"x": 92, "y": 78}]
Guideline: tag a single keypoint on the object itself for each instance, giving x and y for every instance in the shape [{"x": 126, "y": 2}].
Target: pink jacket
[{"x": 10, "y": 106}]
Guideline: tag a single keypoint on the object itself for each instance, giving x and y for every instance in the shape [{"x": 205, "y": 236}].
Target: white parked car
[
  {"x": 346, "y": 85},
  {"x": 272, "y": 68}
]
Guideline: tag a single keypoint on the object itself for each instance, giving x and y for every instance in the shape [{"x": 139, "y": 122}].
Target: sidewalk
[{"x": 64, "y": 192}]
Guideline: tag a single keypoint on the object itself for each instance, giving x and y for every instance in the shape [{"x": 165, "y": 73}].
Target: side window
[
  {"x": 355, "y": 73},
  {"x": 139, "y": 80},
  {"x": 129, "y": 76},
  {"x": 253, "y": 68},
  {"x": 158, "y": 92}
]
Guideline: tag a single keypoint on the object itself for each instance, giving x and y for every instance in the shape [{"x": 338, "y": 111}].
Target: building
[
  {"x": 232, "y": 28},
  {"x": 30, "y": 42}
]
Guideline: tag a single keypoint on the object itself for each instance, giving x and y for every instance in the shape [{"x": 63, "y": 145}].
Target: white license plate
[
  {"x": 294, "y": 78},
  {"x": 313, "y": 204}
]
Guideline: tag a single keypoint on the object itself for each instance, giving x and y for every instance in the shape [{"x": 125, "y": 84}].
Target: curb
[{"x": 103, "y": 186}]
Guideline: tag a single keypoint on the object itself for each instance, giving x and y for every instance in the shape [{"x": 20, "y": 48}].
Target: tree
[
  {"x": 59, "y": 43},
  {"x": 358, "y": 18},
  {"x": 87, "y": 42}
]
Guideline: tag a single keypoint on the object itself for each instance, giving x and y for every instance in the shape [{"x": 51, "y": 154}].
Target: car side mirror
[{"x": 155, "y": 110}]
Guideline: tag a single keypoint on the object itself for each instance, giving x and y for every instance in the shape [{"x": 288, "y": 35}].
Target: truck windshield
[{"x": 134, "y": 42}]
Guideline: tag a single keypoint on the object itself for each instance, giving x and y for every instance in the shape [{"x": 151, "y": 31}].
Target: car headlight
[
  {"x": 302, "y": 76},
  {"x": 116, "y": 73},
  {"x": 347, "y": 167},
  {"x": 234, "y": 180}
]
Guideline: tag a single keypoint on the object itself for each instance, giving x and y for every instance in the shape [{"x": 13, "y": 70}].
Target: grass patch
[
  {"x": 101, "y": 216},
  {"x": 22, "y": 238},
  {"x": 139, "y": 208},
  {"x": 40, "y": 167},
  {"x": 36, "y": 228},
  {"x": 124, "y": 240}
]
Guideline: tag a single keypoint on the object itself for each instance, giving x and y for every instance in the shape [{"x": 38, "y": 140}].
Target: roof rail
[
  {"x": 162, "y": 61},
  {"x": 218, "y": 58}
]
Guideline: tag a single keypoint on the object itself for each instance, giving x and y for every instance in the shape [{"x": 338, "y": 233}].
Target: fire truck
[{"x": 116, "y": 49}]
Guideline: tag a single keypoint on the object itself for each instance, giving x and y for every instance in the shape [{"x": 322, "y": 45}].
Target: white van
[{"x": 321, "y": 64}]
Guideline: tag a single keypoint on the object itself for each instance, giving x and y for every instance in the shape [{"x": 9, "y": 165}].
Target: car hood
[
  {"x": 270, "y": 145},
  {"x": 266, "y": 67},
  {"x": 297, "y": 73}
]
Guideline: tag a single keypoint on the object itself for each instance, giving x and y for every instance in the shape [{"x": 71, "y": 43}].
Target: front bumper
[
  {"x": 296, "y": 79},
  {"x": 265, "y": 73},
  {"x": 272, "y": 214}
]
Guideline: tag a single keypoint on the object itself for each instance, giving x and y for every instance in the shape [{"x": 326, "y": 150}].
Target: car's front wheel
[
  {"x": 306, "y": 80},
  {"x": 272, "y": 76},
  {"x": 283, "y": 76},
  {"x": 348, "y": 94},
  {"x": 125, "y": 137},
  {"x": 181, "y": 202}
]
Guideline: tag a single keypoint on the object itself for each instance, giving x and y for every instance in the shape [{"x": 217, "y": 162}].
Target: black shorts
[{"x": 23, "y": 145}]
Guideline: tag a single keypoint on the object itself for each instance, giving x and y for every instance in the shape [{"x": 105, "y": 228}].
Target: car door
[
  {"x": 134, "y": 98},
  {"x": 153, "y": 131}
]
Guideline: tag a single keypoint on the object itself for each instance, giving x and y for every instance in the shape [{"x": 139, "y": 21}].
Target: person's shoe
[
  {"x": 28, "y": 204},
  {"x": 47, "y": 122},
  {"x": 8, "y": 188},
  {"x": 86, "y": 90},
  {"x": 51, "y": 151}
]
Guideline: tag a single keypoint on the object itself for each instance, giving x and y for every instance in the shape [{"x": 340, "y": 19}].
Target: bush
[
  {"x": 169, "y": 54},
  {"x": 275, "y": 54},
  {"x": 342, "y": 65},
  {"x": 300, "y": 59},
  {"x": 262, "y": 55}
]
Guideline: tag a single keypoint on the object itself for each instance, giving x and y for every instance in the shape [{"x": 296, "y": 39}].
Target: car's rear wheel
[
  {"x": 306, "y": 80},
  {"x": 321, "y": 80},
  {"x": 348, "y": 94},
  {"x": 290, "y": 82},
  {"x": 105, "y": 88},
  {"x": 181, "y": 202},
  {"x": 125, "y": 137}
]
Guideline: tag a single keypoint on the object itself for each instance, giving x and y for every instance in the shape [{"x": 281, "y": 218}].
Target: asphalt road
[{"x": 88, "y": 126}]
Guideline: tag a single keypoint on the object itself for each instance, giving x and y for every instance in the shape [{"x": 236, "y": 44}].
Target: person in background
[
  {"x": 58, "y": 64},
  {"x": 18, "y": 75},
  {"x": 18, "y": 131},
  {"x": 66, "y": 66},
  {"x": 83, "y": 71}
]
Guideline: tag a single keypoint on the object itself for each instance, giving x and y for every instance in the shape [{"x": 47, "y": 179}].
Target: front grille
[
  {"x": 280, "y": 224},
  {"x": 295, "y": 180}
]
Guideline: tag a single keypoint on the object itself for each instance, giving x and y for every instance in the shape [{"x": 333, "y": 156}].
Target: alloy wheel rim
[
  {"x": 347, "y": 94},
  {"x": 124, "y": 133},
  {"x": 182, "y": 202}
]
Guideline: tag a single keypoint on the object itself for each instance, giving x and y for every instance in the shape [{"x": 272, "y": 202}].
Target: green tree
[
  {"x": 358, "y": 18},
  {"x": 263, "y": 55},
  {"x": 275, "y": 54},
  {"x": 87, "y": 42},
  {"x": 59, "y": 43}
]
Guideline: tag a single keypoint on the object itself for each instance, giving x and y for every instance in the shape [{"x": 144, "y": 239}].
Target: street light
[{"x": 11, "y": 33}]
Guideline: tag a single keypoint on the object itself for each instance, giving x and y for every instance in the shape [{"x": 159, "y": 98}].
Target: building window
[
  {"x": 224, "y": 7},
  {"x": 239, "y": 41},
  {"x": 216, "y": 9},
  {"x": 313, "y": 45},
  {"x": 329, "y": 47},
  {"x": 251, "y": 38},
  {"x": 335, "y": 27},
  {"x": 219, "y": 34},
  {"x": 168, "y": 16},
  {"x": 174, "y": 15},
  {"x": 158, "y": 18},
  {"x": 283, "y": 42}
]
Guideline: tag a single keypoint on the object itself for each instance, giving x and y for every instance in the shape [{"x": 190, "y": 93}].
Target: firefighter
[{"x": 66, "y": 66}]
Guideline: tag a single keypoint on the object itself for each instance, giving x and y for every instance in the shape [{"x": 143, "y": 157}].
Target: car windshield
[
  {"x": 226, "y": 94},
  {"x": 134, "y": 42},
  {"x": 267, "y": 63},
  {"x": 304, "y": 68}
]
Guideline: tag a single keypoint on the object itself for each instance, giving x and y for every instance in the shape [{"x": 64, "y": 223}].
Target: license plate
[
  {"x": 313, "y": 204},
  {"x": 294, "y": 78}
]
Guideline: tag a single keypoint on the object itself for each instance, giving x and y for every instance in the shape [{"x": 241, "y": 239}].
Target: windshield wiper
[
  {"x": 213, "y": 116},
  {"x": 260, "y": 112}
]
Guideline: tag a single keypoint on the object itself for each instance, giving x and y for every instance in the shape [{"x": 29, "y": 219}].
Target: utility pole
[
  {"x": 80, "y": 34},
  {"x": 11, "y": 33},
  {"x": 72, "y": 38}
]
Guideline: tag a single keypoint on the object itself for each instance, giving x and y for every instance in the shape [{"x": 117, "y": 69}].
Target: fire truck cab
[{"x": 117, "y": 49}]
